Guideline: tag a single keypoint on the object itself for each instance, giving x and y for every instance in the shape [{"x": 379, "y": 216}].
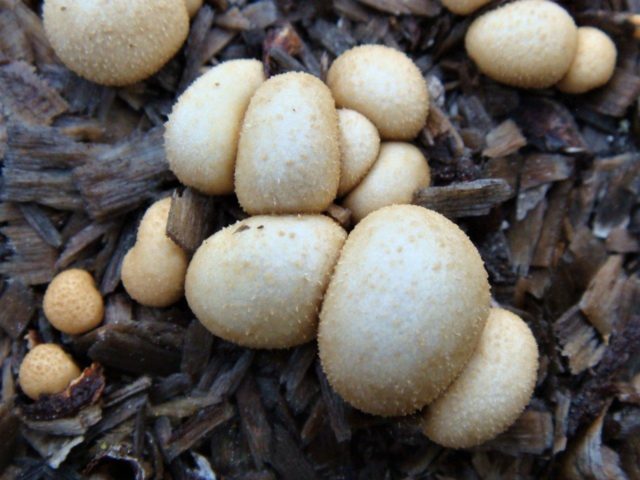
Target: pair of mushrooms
[{"x": 536, "y": 44}]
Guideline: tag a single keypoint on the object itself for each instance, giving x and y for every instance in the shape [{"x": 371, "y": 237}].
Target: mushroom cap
[
  {"x": 593, "y": 64},
  {"x": 492, "y": 390},
  {"x": 72, "y": 303},
  {"x": 201, "y": 135},
  {"x": 46, "y": 369},
  {"x": 153, "y": 270},
  {"x": 289, "y": 155},
  {"x": 193, "y": 6},
  {"x": 385, "y": 86},
  {"x": 115, "y": 42},
  {"x": 397, "y": 173},
  {"x": 359, "y": 147},
  {"x": 464, "y": 7},
  {"x": 403, "y": 311},
  {"x": 259, "y": 283},
  {"x": 528, "y": 43}
]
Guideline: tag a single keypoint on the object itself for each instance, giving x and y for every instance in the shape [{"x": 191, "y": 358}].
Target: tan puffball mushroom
[
  {"x": 527, "y": 44},
  {"x": 289, "y": 155},
  {"x": 193, "y": 6},
  {"x": 385, "y": 86},
  {"x": 593, "y": 64},
  {"x": 153, "y": 270},
  {"x": 359, "y": 147},
  {"x": 403, "y": 312},
  {"x": 46, "y": 369},
  {"x": 464, "y": 7},
  {"x": 259, "y": 283},
  {"x": 72, "y": 303},
  {"x": 397, "y": 173},
  {"x": 492, "y": 390},
  {"x": 118, "y": 42},
  {"x": 201, "y": 135}
]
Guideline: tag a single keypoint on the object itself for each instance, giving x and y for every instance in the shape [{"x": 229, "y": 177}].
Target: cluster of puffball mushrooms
[{"x": 400, "y": 305}]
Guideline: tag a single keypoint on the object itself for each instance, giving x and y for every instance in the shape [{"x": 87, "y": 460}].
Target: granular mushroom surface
[
  {"x": 493, "y": 388},
  {"x": 46, "y": 369},
  {"x": 403, "y": 312}
]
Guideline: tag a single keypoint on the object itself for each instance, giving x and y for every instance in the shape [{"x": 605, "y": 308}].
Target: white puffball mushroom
[
  {"x": 403, "y": 312},
  {"x": 193, "y": 6},
  {"x": 385, "y": 86},
  {"x": 202, "y": 132},
  {"x": 464, "y": 7},
  {"x": 359, "y": 147},
  {"x": 46, "y": 369},
  {"x": 153, "y": 270},
  {"x": 397, "y": 173},
  {"x": 527, "y": 44},
  {"x": 492, "y": 390},
  {"x": 118, "y": 42},
  {"x": 259, "y": 283},
  {"x": 593, "y": 64},
  {"x": 288, "y": 155}
]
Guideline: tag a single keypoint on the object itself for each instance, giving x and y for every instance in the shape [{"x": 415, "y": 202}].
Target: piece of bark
[
  {"x": 254, "y": 423},
  {"x": 563, "y": 404},
  {"x": 216, "y": 40},
  {"x": 17, "y": 306},
  {"x": 540, "y": 168},
  {"x": 111, "y": 276},
  {"x": 13, "y": 41},
  {"x": 287, "y": 458},
  {"x": 228, "y": 381},
  {"x": 191, "y": 218},
  {"x": 197, "y": 349},
  {"x": 549, "y": 247},
  {"x": 579, "y": 341},
  {"x": 53, "y": 449},
  {"x": 81, "y": 241},
  {"x": 532, "y": 433},
  {"x": 117, "y": 415},
  {"x": 171, "y": 386},
  {"x": 426, "y": 8},
  {"x": 617, "y": 95},
  {"x": 523, "y": 237},
  {"x": 620, "y": 240},
  {"x": 41, "y": 223},
  {"x": 31, "y": 259},
  {"x": 465, "y": 199},
  {"x": 336, "y": 408},
  {"x": 232, "y": 19},
  {"x": 68, "y": 426},
  {"x": 195, "y": 50},
  {"x": 9, "y": 430},
  {"x": 503, "y": 140}
]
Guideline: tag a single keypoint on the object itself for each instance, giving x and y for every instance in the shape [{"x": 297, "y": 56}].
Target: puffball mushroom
[
  {"x": 397, "y": 173},
  {"x": 528, "y": 43},
  {"x": 384, "y": 85},
  {"x": 288, "y": 155},
  {"x": 46, "y": 369},
  {"x": 464, "y": 7},
  {"x": 593, "y": 64},
  {"x": 153, "y": 270},
  {"x": 193, "y": 6},
  {"x": 115, "y": 42},
  {"x": 201, "y": 135},
  {"x": 492, "y": 390},
  {"x": 259, "y": 283},
  {"x": 72, "y": 303},
  {"x": 403, "y": 312},
  {"x": 359, "y": 147}
]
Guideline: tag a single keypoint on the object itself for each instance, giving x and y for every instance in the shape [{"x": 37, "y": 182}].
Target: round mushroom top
[
  {"x": 403, "y": 311},
  {"x": 115, "y": 42},
  {"x": 46, "y": 369},
  {"x": 72, "y": 303},
  {"x": 528, "y": 43},
  {"x": 593, "y": 64},
  {"x": 492, "y": 390},
  {"x": 384, "y": 85},
  {"x": 464, "y": 7}
]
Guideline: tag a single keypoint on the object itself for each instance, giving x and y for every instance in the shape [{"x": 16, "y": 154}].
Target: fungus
[
  {"x": 193, "y": 6},
  {"x": 492, "y": 390},
  {"x": 46, "y": 369},
  {"x": 72, "y": 303},
  {"x": 403, "y": 311},
  {"x": 464, "y": 7}
]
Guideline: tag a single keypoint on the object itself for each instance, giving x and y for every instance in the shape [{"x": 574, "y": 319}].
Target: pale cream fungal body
[
  {"x": 115, "y": 42},
  {"x": 153, "y": 270},
  {"x": 397, "y": 173},
  {"x": 385, "y": 86},
  {"x": 259, "y": 283},
  {"x": 201, "y": 135},
  {"x": 403, "y": 311},
  {"x": 193, "y": 6},
  {"x": 527, "y": 43},
  {"x": 288, "y": 155},
  {"x": 46, "y": 369},
  {"x": 72, "y": 303},
  {"x": 359, "y": 147},
  {"x": 464, "y": 7},
  {"x": 492, "y": 390},
  {"x": 593, "y": 64}
]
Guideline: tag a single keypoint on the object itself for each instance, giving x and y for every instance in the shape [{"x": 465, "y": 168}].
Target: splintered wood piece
[
  {"x": 253, "y": 420},
  {"x": 336, "y": 408},
  {"x": 532, "y": 433},
  {"x": 17, "y": 306},
  {"x": 31, "y": 260},
  {"x": 504, "y": 140},
  {"x": 549, "y": 248},
  {"x": 195, "y": 50},
  {"x": 616, "y": 96},
  {"x": 523, "y": 237},
  {"x": 191, "y": 218},
  {"x": 579, "y": 341},
  {"x": 465, "y": 199},
  {"x": 425, "y": 8},
  {"x": 41, "y": 223},
  {"x": 540, "y": 168}
]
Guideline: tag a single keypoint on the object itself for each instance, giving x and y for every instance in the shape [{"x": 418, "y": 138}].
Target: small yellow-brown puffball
[
  {"x": 397, "y": 173},
  {"x": 115, "y": 42},
  {"x": 464, "y": 7},
  {"x": 385, "y": 86},
  {"x": 72, "y": 303},
  {"x": 46, "y": 369},
  {"x": 492, "y": 390},
  {"x": 193, "y": 6},
  {"x": 527, "y": 44},
  {"x": 593, "y": 64},
  {"x": 153, "y": 270},
  {"x": 359, "y": 147}
]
